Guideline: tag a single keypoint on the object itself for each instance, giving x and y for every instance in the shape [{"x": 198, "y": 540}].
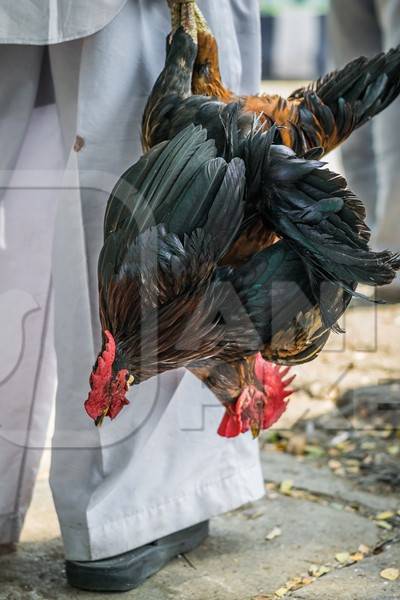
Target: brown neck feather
[{"x": 207, "y": 79}]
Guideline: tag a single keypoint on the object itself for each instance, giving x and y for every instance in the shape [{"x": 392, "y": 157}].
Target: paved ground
[{"x": 331, "y": 506}]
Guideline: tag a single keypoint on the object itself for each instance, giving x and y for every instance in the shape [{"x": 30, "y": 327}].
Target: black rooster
[
  {"x": 221, "y": 255},
  {"x": 169, "y": 299},
  {"x": 286, "y": 197}
]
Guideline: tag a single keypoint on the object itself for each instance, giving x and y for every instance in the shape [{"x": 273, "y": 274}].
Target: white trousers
[
  {"x": 371, "y": 155},
  {"x": 161, "y": 466}
]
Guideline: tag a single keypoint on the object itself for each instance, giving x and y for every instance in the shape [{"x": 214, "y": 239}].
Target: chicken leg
[
  {"x": 323, "y": 114},
  {"x": 183, "y": 14}
]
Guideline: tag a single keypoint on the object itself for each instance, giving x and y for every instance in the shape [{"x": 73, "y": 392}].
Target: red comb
[
  {"x": 105, "y": 361},
  {"x": 274, "y": 394},
  {"x": 276, "y": 388}
]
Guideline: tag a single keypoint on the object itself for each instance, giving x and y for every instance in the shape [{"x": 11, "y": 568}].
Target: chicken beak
[
  {"x": 99, "y": 421},
  {"x": 255, "y": 430}
]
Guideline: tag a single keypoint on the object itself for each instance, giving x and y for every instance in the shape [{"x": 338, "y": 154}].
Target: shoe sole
[{"x": 129, "y": 570}]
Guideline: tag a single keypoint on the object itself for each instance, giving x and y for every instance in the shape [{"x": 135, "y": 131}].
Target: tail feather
[
  {"x": 345, "y": 99},
  {"x": 314, "y": 211}
]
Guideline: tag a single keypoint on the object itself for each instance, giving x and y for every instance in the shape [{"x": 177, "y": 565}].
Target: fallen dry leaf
[
  {"x": 306, "y": 581},
  {"x": 343, "y": 557},
  {"x": 334, "y": 465},
  {"x": 386, "y": 434},
  {"x": 384, "y": 525},
  {"x": 297, "y": 444},
  {"x": 276, "y": 532},
  {"x": 318, "y": 570},
  {"x": 340, "y": 472},
  {"x": 390, "y": 574},
  {"x": 352, "y": 462},
  {"x": 270, "y": 486},
  {"x": 364, "y": 549},
  {"x": 333, "y": 452},
  {"x": 315, "y": 451},
  {"x": 368, "y": 446},
  {"x": 286, "y": 487},
  {"x": 384, "y": 516},
  {"x": 298, "y": 582},
  {"x": 357, "y": 556},
  {"x": 353, "y": 470}
]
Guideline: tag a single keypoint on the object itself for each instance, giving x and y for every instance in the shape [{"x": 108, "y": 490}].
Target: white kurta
[
  {"x": 160, "y": 467},
  {"x": 53, "y": 21}
]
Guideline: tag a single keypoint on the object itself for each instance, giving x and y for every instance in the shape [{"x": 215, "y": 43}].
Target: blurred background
[
  {"x": 305, "y": 24},
  {"x": 281, "y": 24}
]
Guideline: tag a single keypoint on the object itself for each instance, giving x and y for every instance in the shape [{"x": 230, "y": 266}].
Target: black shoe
[
  {"x": 7, "y": 549},
  {"x": 126, "y": 571}
]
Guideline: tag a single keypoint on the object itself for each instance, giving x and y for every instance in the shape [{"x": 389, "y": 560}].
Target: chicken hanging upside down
[
  {"x": 169, "y": 299},
  {"x": 190, "y": 90},
  {"x": 228, "y": 246}
]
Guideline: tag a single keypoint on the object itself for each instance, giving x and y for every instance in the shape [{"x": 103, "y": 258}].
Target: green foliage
[{"x": 276, "y": 7}]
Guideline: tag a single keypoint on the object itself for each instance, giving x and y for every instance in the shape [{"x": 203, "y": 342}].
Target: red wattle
[{"x": 230, "y": 425}]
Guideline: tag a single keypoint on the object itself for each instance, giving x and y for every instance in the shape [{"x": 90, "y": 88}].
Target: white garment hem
[
  {"x": 133, "y": 531},
  {"x": 10, "y": 527}
]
